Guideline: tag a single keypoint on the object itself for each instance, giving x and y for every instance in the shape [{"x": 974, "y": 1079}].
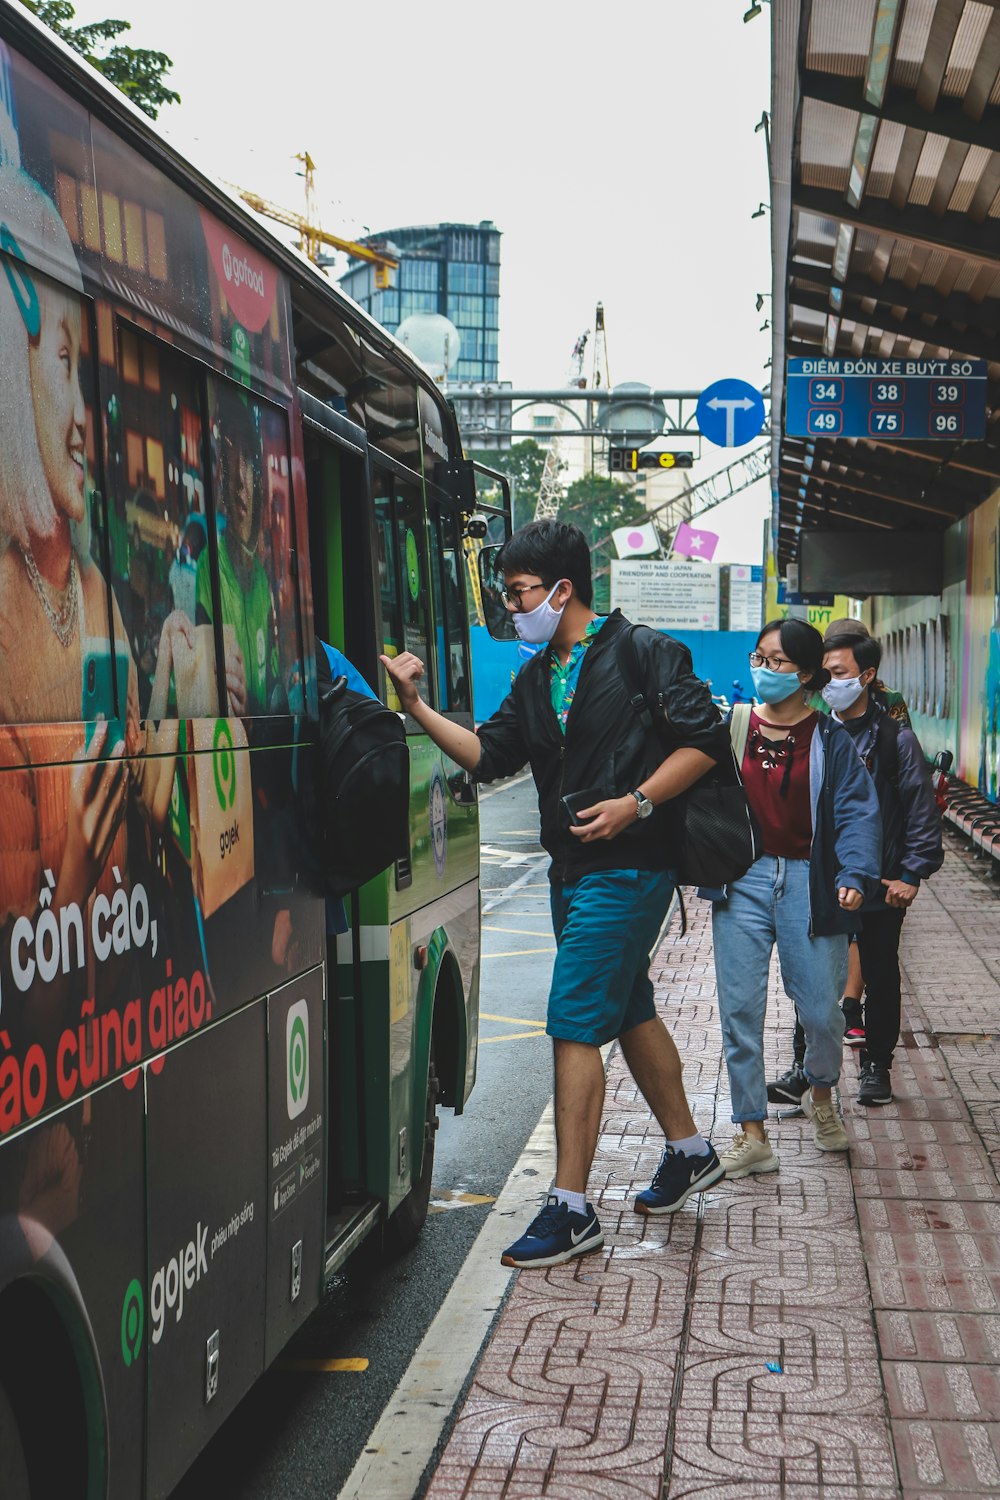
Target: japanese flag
[
  {"x": 689, "y": 542},
  {"x": 633, "y": 541}
]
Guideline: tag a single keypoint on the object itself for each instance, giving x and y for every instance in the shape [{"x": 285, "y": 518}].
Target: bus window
[
  {"x": 392, "y": 619},
  {"x": 412, "y": 554},
  {"x": 158, "y": 525},
  {"x": 449, "y": 611},
  {"x": 256, "y": 588},
  {"x": 56, "y": 664},
  {"x": 391, "y": 409}
]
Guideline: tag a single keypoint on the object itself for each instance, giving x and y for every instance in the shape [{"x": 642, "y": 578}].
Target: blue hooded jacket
[{"x": 846, "y": 845}]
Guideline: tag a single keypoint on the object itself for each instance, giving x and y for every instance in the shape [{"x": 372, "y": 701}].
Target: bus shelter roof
[{"x": 885, "y": 170}]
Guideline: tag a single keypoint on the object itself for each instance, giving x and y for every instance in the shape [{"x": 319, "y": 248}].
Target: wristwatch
[{"x": 643, "y": 805}]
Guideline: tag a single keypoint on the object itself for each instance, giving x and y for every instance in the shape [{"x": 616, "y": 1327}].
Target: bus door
[{"x": 340, "y": 551}]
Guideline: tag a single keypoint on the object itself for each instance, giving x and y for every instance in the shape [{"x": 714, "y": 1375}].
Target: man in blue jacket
[
  {"x": 911, "y": 846},
  {"x": 569, "y": 715}
]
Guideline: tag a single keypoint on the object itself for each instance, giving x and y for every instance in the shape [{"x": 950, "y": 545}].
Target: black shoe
[
  {"x": 876, "y": 1084},
  {"x": 789, "y": 1088},
  {"x": 676, "y": 1178}
]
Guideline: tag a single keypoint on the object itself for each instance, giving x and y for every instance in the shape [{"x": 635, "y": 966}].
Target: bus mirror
[
  {"x": 495, "y": 613},
  {"x": 476, "y": 527}
]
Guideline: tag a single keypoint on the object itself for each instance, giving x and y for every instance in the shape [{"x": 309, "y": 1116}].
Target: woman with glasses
[{"x": 819, "y": 815}]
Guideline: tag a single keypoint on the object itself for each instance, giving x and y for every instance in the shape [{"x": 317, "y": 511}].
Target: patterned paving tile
[
  {"x": 756, "y": 1318},
  {"x": 947, "y": 1392},
  {"x": 925, "y": 1335},
  {"x": 949, "y": 1458}
]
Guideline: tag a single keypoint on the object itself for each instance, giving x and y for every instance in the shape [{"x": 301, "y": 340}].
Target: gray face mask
[
  {"x": 841, "y": 692},
  {"x": 538, "y": 626}
]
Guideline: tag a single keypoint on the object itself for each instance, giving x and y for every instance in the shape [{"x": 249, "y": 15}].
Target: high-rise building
[{"x": 452, "y": 269}]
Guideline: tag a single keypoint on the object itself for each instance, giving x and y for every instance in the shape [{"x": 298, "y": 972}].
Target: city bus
[{"x": 214, "y": 1080}]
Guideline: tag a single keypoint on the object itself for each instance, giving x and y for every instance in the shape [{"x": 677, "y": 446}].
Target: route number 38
[{"x": 886, "y": 391}]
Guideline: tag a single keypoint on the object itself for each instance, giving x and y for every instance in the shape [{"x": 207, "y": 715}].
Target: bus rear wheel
[
  {"x": 15, "y": 1467},
  {"x": 403, "y": 1227}
]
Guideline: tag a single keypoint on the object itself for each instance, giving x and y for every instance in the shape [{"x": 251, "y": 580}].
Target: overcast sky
[{"x": 613, "y": 145}]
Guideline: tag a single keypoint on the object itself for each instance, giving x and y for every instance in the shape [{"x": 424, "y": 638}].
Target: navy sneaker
[
  {"x": 554, "y": 1236},
  {"x": 676, "y": 1178}
]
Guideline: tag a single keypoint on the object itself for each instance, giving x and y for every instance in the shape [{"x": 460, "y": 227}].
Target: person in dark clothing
[
  {"x": 569, "y": 715},
  {"x": 911, "y": 847}
]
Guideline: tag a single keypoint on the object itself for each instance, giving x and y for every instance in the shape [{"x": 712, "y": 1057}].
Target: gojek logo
[
  {"x": 224, "y": 764},
  {"x": 297, "y": 1058},
  {"x": 178, "y": 1275},
  {"x": 133, "y": 1317}
]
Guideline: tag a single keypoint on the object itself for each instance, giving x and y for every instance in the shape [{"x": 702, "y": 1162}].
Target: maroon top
[{"x": 776, "y": 777}]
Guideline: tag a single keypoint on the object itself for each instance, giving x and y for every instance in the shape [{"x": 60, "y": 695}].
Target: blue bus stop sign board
[
  {"x": 922, "y": 400},
  {"x": 730, "y": 413}
]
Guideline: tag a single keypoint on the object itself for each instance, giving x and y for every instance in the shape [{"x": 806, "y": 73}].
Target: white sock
[
  {"x": 575, "y": 1202},
  {"x": 692, "y": 1145}
]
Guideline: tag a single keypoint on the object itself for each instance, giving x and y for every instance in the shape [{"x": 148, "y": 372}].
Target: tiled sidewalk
[{"x": 832, "y": 1330}]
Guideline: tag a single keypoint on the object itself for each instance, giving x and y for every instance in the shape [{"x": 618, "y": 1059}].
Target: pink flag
[{"x": 689, "y": 542}]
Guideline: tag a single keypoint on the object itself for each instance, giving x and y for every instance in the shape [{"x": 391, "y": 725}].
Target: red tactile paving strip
[{"x": 830, "y": 1330}]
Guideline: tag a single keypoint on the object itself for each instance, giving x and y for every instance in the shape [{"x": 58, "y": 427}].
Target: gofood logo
[
  {"x": 297, "y": 1058},
  {"x": 133, "y": 1318},
  {"x": 239, "y": 272}
]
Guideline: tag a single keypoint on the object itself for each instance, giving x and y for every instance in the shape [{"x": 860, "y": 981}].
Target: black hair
[
  {"x": 803, "y": 645},
  {"x": 865, "y": 649},
  {"x": 553, "y": 550},
  {"x": 239, "y": 439}
]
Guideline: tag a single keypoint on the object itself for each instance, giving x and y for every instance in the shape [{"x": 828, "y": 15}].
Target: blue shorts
[{"x": 605, "y": 925}]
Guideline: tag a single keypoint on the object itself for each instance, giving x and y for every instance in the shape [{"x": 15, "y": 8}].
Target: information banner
[
  {"x": 667, "y": 595},
  {"x": 922, "y": 400},
  {"x": 746, "y": 596}
]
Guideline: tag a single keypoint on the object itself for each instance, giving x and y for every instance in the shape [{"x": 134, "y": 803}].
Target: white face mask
[
  {"x": 841, "y": 692},
  {"x": 539, "y": 625}
]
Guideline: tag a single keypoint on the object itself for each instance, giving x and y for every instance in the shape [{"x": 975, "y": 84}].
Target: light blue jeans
[{"x": 771, "y": 905}]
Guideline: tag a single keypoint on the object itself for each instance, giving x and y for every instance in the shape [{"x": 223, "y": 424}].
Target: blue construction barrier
[{"x": 719, "y": 657}]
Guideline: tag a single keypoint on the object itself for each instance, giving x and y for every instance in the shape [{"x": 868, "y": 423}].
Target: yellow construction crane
[{"x": 311, "y": 236}]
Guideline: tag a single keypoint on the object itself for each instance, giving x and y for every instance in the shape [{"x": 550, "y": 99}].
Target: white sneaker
[
  {"x": 746, "y": 1155},
  {"x": 828, "y": 1128}
]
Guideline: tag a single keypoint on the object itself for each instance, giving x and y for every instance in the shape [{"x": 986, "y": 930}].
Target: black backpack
[{"x": 364, "y": 784}]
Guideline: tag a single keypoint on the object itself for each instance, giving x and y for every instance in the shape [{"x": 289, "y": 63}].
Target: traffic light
[{"x": 628, "y": 460}]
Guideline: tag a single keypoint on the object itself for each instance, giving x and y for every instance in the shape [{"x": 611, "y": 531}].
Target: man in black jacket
[
  {"x": 911, "y": 849},
  {"x": 569, "y": 715}
]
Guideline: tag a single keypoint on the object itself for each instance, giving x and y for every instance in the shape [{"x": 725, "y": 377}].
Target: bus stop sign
[
  {"x": 922, "y": 400},
  {"x": 730, "y": 413}
]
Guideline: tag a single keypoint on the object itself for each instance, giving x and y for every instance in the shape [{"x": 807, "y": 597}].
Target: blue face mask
[{"x": 774, "y": 687}]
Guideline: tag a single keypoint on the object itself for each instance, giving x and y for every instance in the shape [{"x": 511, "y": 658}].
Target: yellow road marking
[
  {"x": 485, "y": 1015},
  {"x": 518, "y": 931},
  {"x": 518, "y": 952},
  {"x": 446, "y": 1200},
  {"x": 512, "y": 1036},
  {"x": 352, "y": 1366}
]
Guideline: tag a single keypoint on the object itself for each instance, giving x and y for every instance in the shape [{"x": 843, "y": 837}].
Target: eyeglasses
[
  {"x": 513, "y": 597},
  {"x": 774, "y": 663}
]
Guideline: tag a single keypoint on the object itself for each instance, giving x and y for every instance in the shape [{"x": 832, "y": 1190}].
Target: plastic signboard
[
  {"x": 921, "y": 400},
  {"x": 667, "y": 595}
]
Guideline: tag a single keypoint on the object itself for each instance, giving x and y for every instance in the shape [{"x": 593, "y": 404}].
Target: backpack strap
[
  {"x": 739, "y": 730},
  {"x": 628, "y": 665}
]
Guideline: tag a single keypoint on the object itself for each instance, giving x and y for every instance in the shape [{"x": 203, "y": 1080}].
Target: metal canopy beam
[
  {"x": 939, "y": 336},
  {"x": 951, "y": 231},
  {"x": 957, "y": 307},
  {"x": 947, "y": 118},
  {"x": 881, "y": 495}
]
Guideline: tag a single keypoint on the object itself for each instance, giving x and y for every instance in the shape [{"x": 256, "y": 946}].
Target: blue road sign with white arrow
[{"x": 730, "y": 413}]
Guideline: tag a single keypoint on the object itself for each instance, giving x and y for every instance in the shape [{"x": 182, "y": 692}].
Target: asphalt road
[{"x": 299, "y": 1434}]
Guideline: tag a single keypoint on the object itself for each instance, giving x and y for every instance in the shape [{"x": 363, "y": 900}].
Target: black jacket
[
  {"x": 912, "y": 845},
  {"x": 604, "y": 748}
]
